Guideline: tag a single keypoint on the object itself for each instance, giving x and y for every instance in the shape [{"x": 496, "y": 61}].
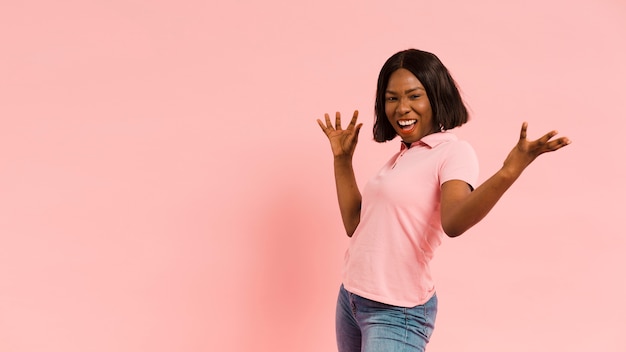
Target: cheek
[{"x": 425, "y": 109}]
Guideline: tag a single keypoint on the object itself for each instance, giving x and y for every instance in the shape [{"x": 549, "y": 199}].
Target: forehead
[{"x": 402, "y": 79}]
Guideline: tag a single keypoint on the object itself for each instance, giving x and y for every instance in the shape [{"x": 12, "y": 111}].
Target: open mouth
[{"x": 407, "y": 125}]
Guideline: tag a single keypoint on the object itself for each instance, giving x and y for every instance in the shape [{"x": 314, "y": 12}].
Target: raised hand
[
  {"x": 462, "y": 209},
  {"x": 526, "y": 151},
  {"x": 342, "y": 142}
]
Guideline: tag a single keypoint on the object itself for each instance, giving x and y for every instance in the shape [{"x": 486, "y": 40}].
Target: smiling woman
[{"x": 387, "y": 301}]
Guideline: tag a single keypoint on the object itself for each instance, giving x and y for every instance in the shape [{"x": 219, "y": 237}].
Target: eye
[
  {"x": 391, "y": 99},
  {"x": 415, "y": 96}
]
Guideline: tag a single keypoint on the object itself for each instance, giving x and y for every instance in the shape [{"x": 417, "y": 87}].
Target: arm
[
  {"x": 348, "y": 195},
  {"x": 461, "y": 209},
  {"x": 343, "y": 143}
]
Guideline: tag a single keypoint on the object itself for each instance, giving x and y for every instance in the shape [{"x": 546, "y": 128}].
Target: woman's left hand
[
  {"x": 526, "y": 151},
  {"x": 461, "y": 208}
]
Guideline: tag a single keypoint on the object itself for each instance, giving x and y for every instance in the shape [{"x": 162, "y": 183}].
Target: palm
[{"x": 342, "y": 141}]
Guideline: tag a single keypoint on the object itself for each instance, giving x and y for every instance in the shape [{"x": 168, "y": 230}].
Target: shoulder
[
  {"x": 448, "y": 142},
  {"x": 459, "y": 146},
  {"x": 455, "y": 152},
  {"x": 458, "y": 162}
]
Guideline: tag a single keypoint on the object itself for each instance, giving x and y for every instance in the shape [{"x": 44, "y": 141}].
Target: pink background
[{"x": 164, "y": 185}]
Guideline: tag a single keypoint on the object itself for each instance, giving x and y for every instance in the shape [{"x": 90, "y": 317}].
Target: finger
[
  {"x": 356, "y": 132},
  {"x": 522, "y": 134},
  {"x": 354, "y": 118},
  {"x": 546, "y": 137},
  {"x": 557, "y": 144},
  {"x": 322, "y": 126},
  {"x": 328, "y": 124},
  {"x": 337, "y": 120}
]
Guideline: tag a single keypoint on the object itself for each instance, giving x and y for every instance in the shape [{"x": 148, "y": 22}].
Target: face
[{"x": 407, "y": 106}]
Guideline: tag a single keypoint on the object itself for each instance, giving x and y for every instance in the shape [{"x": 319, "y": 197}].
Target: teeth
[{"x": 406, "y": 122}]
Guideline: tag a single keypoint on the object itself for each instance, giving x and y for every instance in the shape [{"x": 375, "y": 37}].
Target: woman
[{"x": 387, "y": 300}]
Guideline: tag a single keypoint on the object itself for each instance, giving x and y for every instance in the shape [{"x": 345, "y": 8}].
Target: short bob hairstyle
[{"x": 446, "y": 103}]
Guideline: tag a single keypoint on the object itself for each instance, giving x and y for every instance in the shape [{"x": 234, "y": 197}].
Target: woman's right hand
[{"x": 342, "y": 142}]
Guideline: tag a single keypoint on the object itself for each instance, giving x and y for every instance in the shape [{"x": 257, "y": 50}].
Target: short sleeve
[{"x": 460, "y": 163}]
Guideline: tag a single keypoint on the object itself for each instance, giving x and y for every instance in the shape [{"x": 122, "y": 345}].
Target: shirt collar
[{"x": 432, "y": 140}]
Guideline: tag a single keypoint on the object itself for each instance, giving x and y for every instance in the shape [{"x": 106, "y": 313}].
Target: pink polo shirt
[{"x": 400, "y": 228}]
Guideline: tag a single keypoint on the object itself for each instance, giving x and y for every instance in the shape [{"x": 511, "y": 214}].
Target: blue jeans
[{"x": 363, "y": 325}]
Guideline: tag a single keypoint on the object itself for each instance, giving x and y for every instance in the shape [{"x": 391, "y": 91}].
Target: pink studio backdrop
[{"x": 164, "y": 185}]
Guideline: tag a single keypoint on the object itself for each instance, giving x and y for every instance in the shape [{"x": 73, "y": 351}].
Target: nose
[{"x": 403, "y": 106}]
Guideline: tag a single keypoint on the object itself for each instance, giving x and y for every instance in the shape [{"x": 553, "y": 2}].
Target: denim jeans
[{"x": 363, "y": 325}]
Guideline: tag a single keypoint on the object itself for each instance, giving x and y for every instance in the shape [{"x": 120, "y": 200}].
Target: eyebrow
[{"x": 406, "y": 91}]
